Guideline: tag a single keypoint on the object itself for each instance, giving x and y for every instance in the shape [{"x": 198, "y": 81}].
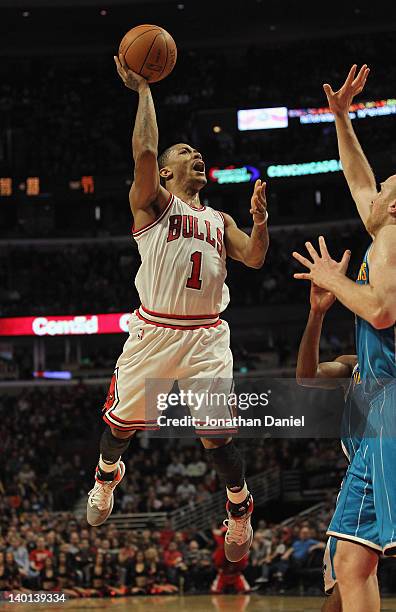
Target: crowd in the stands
[
  {"x": 60, "y": 553},
  {"x": 48, "y": 447},
  {"x": 41, "y": 551},
  {"x": 85, "y": 278},
  {"x": 48, "y": 450}
]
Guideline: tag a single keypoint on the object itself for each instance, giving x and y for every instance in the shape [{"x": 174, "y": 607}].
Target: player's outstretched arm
[
  {"x": 146, "y": 189},
  {"x": 250, "y": 250},
  {"x": 309, "y": 371},
  {"x": 357, "y": 170},
  {"x": 376, "y": 302}
]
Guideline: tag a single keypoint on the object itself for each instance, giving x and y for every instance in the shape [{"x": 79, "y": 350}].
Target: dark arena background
[{"x": 67, "y": 268}]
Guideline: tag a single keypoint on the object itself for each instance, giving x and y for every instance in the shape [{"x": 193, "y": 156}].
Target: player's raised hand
[
  {"x": 341, "y": 100},
  {"x": 321, "y": 299},
  {"x": 322, "y": 267},
  {"x": 131, "y": 79},
  {"x": 258, "y": 203}
]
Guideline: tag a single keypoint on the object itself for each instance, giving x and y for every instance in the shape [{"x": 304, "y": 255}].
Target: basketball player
[
  {"x": 177, "y": 333},
  {"x": 342, "y": 372},
  {"x": 365, "y": 518}
]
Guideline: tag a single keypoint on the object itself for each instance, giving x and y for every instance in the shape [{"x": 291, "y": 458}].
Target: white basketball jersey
[{"x": 183, "y": 267}]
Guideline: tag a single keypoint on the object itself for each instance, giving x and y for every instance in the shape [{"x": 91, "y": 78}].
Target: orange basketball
[{"x": 150, "y": 51}]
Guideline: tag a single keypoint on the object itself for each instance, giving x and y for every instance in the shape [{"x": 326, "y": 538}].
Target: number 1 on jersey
[{"x": 194, "y": 282}]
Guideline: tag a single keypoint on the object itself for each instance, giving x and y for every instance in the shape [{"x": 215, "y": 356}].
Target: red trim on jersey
[
  {"x": 187, "y": 327},
  {"x": 193, "y": 207},
  {"x": 113, "y": 416},
  {"x": 133, "y": 427},
  {"x": 150, "y": 225},
  {"x": 222, "y": 216},
  {"x": 181, "y": 317}
]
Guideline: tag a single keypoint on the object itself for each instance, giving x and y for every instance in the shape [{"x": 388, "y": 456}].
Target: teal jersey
[
  {"x": 375, "y": 347},
  {"x": 354, "y": 416}
]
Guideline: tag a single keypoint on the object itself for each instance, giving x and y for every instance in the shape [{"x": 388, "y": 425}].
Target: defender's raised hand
[
  {"x": 321, "y": 299},
  {"x": 341, "y": 100},
  {"x": 131, "y": 79},
  {"x": 258, "y": 203},
  {"x": 322, "y": 268}
]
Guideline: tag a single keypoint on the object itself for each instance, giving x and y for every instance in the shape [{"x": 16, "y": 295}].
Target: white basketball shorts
[{"x": 156, "y": 354}]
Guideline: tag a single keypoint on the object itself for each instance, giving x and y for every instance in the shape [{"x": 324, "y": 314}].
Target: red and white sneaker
[
  {"x": 101, "y": 499},
  {"x": 239, "y": 536}
]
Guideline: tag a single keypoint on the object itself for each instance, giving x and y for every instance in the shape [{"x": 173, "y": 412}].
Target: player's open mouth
[{"x": 199, "y": 165}]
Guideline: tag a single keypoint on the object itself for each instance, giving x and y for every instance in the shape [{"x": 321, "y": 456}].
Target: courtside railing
[{"x": 264, "y": 487}]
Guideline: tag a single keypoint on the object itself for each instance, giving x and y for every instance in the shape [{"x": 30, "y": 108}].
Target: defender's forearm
[
  {"x": 362, "y": 300},
  {"x": 257, "y": 246},
  {"x": 356, "y": 167},
  {"x": 308, "y": 352},
  {"x": 145, "y": 132}
]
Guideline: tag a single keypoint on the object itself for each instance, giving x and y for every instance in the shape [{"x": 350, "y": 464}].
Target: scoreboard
[{"x": 36, "y": 186}]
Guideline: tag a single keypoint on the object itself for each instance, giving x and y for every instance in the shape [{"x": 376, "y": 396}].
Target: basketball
[{"x": 150, "y": 51}]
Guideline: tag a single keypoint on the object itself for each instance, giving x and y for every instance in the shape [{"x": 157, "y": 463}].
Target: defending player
[
  {"x": 365, "y": 518},
  {"x": 177, "y": 333},
  {"x": 342, "y": 372}
]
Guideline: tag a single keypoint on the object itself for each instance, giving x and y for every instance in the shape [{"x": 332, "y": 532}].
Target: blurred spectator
[
  {"x": 302, "y": 547},
  {"x": 39, "y": 555}
]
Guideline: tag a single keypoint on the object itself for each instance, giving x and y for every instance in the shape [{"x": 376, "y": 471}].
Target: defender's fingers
[
  {"x": 312, "y": 251},
  {"x": 303, "y": 260},
  {"x": 351, "y": 75},
  {"x": 328, "y": 90},
  {"x": 364, "y": 78},
  {"x": 345, "y": 260},
  {"x": 323, "y": 248},
  {"x": 302, "y": 276},
  {"x": 360, "y": 74}
]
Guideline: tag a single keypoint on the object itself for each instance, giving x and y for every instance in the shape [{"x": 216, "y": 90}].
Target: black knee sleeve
[
  {"x": 228, "y": 463},
  {"x": 111, "y": 448}
]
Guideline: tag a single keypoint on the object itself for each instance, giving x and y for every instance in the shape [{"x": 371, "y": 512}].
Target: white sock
[
  {"x": 108, "y": 467},
  {"x": 238, "y": 498}
]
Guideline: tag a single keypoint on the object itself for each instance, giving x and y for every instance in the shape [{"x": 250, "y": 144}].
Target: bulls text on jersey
[{"x": 189, "y": 226}]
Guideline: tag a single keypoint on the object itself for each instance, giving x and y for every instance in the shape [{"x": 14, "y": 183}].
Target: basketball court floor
[{"x": 192, "y": 603}]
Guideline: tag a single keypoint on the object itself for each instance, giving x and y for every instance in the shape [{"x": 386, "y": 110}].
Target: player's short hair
[
  {"x": 163, "y": 160},
  {"x": 164, "y": 157}
]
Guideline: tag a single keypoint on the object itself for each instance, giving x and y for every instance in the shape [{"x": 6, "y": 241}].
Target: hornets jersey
[
  {"x": 354, "y": 417},
  {"x": 375, "y": 347}
]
